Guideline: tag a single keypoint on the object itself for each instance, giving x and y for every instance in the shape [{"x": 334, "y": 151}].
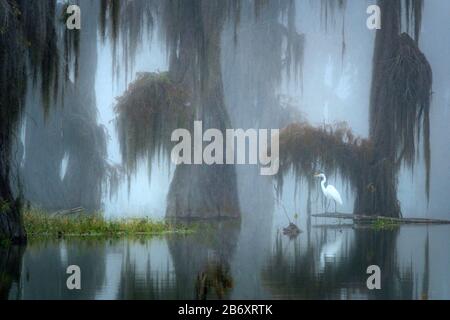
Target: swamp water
[{"x": 228, "y": 260}]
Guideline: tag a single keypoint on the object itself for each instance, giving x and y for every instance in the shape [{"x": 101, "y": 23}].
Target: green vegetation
[
  {"x": 384, "y": 224},
  {"x": 40, "y": 224}
]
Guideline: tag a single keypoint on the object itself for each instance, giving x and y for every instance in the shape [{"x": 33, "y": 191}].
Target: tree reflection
[
  {"x": 202, "y": 260},
  {"x": 10, "y": 269},
  {"x": 46, "y": 262},
  {"x": 301, "y": 274}
]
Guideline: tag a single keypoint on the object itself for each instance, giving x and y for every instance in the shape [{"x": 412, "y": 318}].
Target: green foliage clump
[
  {"x": 40, "y": 224},
  {"x": 384, "y": 224}
]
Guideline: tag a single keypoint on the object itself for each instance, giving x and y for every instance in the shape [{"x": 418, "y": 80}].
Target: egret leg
[{"x": 335, "y": 207}]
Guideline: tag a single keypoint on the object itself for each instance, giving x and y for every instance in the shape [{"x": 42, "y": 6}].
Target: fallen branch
[{"x": 369, "y": 219}]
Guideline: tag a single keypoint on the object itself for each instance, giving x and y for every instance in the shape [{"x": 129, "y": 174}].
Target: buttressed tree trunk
[
  {"x": 192, "y": 89},
  {"x": 378, "y": 194},
  {"x": 202, "y": 191},
  {"x": 400, "y": 99}
]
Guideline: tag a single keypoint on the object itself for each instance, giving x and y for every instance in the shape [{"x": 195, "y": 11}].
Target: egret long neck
[{"x": 324, "y": 180}]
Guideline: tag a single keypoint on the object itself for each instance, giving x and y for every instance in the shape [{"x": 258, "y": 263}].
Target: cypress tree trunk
[
  {"x": 377, "y": 192},
  {"x": 12, "y": 91},
  {"x": 202, "y": 191},
  {"x": 11, "y": 224}
]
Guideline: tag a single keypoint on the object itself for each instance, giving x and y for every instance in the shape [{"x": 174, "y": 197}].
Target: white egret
[{"x": 330, "y": 191}]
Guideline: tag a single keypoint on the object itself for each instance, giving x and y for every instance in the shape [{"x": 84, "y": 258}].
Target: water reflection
[
  {"x": 336, "y": 268},
  {"x": 10, "y": 268},
  {"x": 328, "y": 262},
  {"x": 202, "y": 260}
]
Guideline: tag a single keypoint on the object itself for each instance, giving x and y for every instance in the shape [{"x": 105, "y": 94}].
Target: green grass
[{"x": 41, "y": 224}]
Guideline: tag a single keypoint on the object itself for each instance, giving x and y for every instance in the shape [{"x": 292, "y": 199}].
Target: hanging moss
[
  {"x": 399, "y": 107},
  {"x": 71, "y": 41},
  {"x": 332, "y": 149},
  {"x": 27, "y": 45},
  {"x": 254, "y": 68},
  {"x": 399, "y": 118},
  {"x": 409, "y": 81},
  {"x": 124, "y": 23},
  {"x": 114, "y": 177},
  {"x": 413, "y": 12},
  {"x": 190, "y": 30},
  {"x": 147, "y": 114},
  {"x": 328, "y": 9}
]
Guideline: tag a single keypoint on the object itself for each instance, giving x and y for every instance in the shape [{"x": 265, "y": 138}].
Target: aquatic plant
[
  {"x": 41, "y": 224},
  {"x": 383, "y": 224}
]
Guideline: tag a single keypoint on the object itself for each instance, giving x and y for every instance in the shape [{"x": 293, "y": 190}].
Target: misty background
[
  {"x": 337, "y": 74},
  {"x": 335, "y": 88}
]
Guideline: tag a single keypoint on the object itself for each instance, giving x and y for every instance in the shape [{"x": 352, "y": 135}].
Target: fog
[
  {"x": 305, "y": 73},
  {"x": 335, "y": 88},
  {"x": 146, "y": 196}
]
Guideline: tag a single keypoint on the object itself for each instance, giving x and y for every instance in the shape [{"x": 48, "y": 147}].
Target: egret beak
[{"x": 316, "y": 175}]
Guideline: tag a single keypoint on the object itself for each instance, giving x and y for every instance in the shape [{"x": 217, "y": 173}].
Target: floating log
[
  {"x": 370, "y": 219},
  {"x": 338, "y": 226}
]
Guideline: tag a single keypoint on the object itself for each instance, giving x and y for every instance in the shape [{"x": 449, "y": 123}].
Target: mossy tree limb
[{"x": 399, "y": 120}]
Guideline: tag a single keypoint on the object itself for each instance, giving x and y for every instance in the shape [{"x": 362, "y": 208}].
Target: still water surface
[{"x": 229, "y": 261}]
